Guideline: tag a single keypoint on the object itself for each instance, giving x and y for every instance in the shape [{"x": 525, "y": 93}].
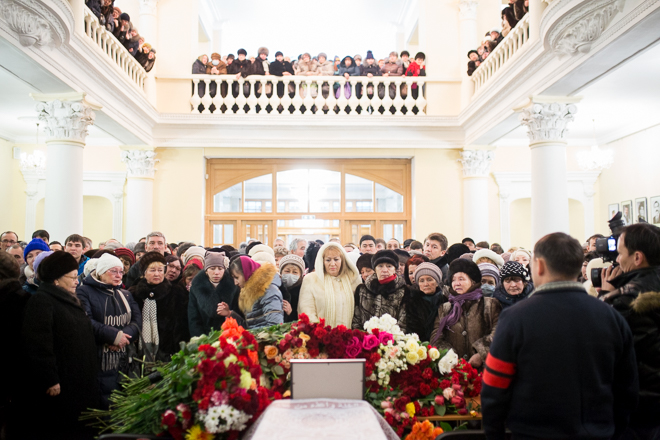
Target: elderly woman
[
  {"x": 163, "y": 305},
  {"x": 34, "y": 248},
  {"x": 522, "y": 256},
  {"x": 292, "y": 270},
  {"x": 490, "y": 278},
  {"x": 209, "y": 289},
  {"x": 516, "y": 284},
  {"x": 60, "y": 353},
  {"x": 488, "y": 256},
  {"x": 384, "y": 292},
  {"x": 328, "y": 292},
  {"x": 422, "y": 306},
  {"x": 467, "y": 322},
  {"x": 115, "y": 318},
  {"x": 260, "y": 299},
  {"x": 173, "y": 271}
]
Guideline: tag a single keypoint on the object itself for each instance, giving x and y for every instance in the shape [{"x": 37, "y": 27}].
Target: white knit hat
[
  {"x": 263, "y": 257},
  {"x": 194, "y": 251},
  {"x": 90, "y": 266},
  {"x": 107, "y": 262},
  {"x": 261, "y": 248}
]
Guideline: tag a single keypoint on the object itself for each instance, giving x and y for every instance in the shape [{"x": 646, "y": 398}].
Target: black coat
[
  {"x": 106, "y": 309},
  {"x": 12, "y": 305},
  {"x": 204, "y": 300},
  {"x": 238, "y": 66},
  {"x": 373, "y": 69},
  {"x": 171, "y": 309},
  {"x": 59, "y": 348},
  {"x": 638, "y": 301},
  {"x": 133, "y": 276},
  {"x": 278, "y": 68},
  {"x": 421, "y": 311},
  {"x": 508, "y": 300},
  {"x": 198, "y": 68},
  {"x": 292, "y": 295}
]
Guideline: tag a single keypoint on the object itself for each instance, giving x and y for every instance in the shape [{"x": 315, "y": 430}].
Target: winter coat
[
  {"x": 375, "y": 299},
  {"x": 198, "y": 67},
  {"x": 59, "y": 348},
  {"x": 474, "y": 331},
  {"x": 393, "y": 69},
  {"x": 221, "y": 67},
  {"x": 133, "y": 45},
  {"x": 421, "y": 311},
  {"x": 171, "y": 316},
  {"x": 81, "y": 266},
  {"x": 257, "y": 67},
  {"x": 278, "y": 68},
  {"x": 238, "y": 66},
  {"x": 472, "y": 66},
  {"x": 352, "y": 70},
  {"x": 149, "y": 63},
  {"x": 327, "y": 68},
  {"x": 519, "y": 9},
  {"x": 507, "y": 300},
  {"x": 638, "y": 301},
  {"x": 204, "y": 300},
  {"x": 292, "y": 294},
  {"x": 307, "y": 67},
  {"x": 31, "y": 285},
  {"x": 13, "y": 300},
  {"x": 442, "y": 264},
  {"x": 260, "y": 299},
  {"x": 105, "y": 307},
  {"x": 141, "y": 57},
  {"x": 95, "y": 6},
  {"x": 373, "y": 69},
  {"x": 133, "y": 276}
]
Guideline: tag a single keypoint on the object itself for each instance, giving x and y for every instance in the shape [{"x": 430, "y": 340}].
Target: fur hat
[
  {"x": 107, "y": 262},
  {"x": 216, "y": 56},
  {"x": 490, "y": 270},
  {"x": 151, "y": 257},
  {"x": 215, "y": 259},
  {"x": 358, "y": 57},
  {"x": 520, "y": 251},
  {"x": 364, "y": 261},
  {"x": 37, "y": 244},
  {"x": 370, "y": 55},
  {"x": 471, "y": 52},
  {"x": 292, "y": 259},
  {"x": 194, "y": 252},
  {"x": 56, "y": 266},
  {"x": 385, "y": 256},
  {"x": 514, "y": 269},
  {"x": 429, "y": 269},
  {"x": 322, "y": 54},
  {"x": 262, "y": 50},
  {"x": 491, "y": 255},
  {"x": 261, "y": 248},
  {"x": 455, "y": 251},
  {"x": 242, "y": 51},
  {"x": 125, "y": 252},
  {"x": 467, "y": 267},
  {"x": 139, "y": 247},
  {"x": 403, "y": 255}
]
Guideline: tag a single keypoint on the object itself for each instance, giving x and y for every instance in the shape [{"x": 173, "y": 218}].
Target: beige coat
[
  {"x": 310, "y": 66},
  {"x": 319, "y": 290}
]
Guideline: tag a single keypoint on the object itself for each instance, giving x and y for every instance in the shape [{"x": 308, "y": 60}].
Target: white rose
[
  {"x": 412, "y": 345},
  {"x": 448, "y": 362},
  {"x": 434, "y": 354}
]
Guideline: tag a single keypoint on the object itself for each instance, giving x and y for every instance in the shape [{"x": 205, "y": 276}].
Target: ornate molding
[
  {"x": 148, "y": 7},
  {"x": 476, "y": 163},
  {"x": 66, "y": 120},
  {"x": 140, "y": 163},
  {"x": 32, "y": 28},
  {"x": 576, "y": 32},
  {"x": 547, "y": 121},
  {"x": 467, "y": 9}
]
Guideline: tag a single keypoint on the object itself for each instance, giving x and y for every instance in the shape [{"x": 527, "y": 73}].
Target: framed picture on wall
[
  {"x": 641, "y": 213},
  {"x": 655, "y": 210},
  {"x": 612, "y": 210},
  {"x": 626, "y": 210}
]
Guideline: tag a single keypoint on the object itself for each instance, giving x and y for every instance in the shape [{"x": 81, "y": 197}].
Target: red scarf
[{"x": 388, "y": 280}]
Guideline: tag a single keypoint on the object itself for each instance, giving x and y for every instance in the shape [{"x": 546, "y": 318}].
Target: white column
[
  {"x": 139, "y": 192},
  {"x": 476, "y": 167},
  {"x": 66, "y": 118},
  {"x": 546, "y": 120},
  {"x": 536, "y": 8},
  {"x": 469, "y": 40},
  {"x": 149, "y": 30}
]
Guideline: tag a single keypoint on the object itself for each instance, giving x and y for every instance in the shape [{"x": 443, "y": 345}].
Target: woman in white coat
[{"x": 328, "y": 292}]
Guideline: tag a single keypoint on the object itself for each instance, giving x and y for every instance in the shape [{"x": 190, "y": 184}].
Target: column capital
[
  {"x": 148, "y": 7},
  {"x": 467, "y": 9},
  {"x": 546, "y": 118},
  {"x": 476, "y": 163},
  {"x": 140, "y": 163},
  {"x": 66, "y": 115}
]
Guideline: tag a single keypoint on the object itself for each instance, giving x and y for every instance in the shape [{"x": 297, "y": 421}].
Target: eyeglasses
[
  {"x": 6, "y": 241},
  {"x": 117, "y": 272}
]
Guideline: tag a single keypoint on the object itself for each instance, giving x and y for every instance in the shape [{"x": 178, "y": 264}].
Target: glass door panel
[
  {"x": 358, "y": 228},
  {"x": 258, "y": 230},
  {"x": 223, "y": 233},
  {"x": 395, "y": 229}
]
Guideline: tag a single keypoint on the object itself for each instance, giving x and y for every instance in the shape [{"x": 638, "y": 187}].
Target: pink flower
[
  {"x": 353, "y": 348},
  {"x": 405, "y": 415},
  {"x": 370, "y": 342},
  {"x": 389, "y": 410},
  {"x": 384, "y": 338},
  {"x": 384, "y": 404},
  {"x": 439, "y": 400},
  {"x": 459, "y": 402},
  {"x": 457, "y": 386},
  {"x": 462, "y": 412},
  {"x": 449, "y": 393}
]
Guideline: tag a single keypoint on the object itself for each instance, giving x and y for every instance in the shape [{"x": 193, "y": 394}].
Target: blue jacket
[
  {"x": 261, "y": 300},
  {"x": 81, "y": 267}
]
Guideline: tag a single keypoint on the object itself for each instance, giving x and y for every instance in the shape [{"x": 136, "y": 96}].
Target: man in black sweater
[{"x": 562, "y": 364}]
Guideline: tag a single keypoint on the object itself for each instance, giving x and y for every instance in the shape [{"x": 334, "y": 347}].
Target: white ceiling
[{"x": 621, "y": 103}]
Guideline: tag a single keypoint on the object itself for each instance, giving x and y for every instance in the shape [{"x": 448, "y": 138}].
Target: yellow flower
[
  {"x": 230, "y": 360},
  {"x": 410, "y": 409},
  {"x": 197, "y": 433},
  {"x": 304, "y": 338},
  {"x": 434, "y": 354},
  {"x": 412, "y": 345},
  {"x": 246, "y": 380},
  {"x": 412, "y": 357},
  {"x": 421, "y": 353},
  {"x": 473, "y": 413}
]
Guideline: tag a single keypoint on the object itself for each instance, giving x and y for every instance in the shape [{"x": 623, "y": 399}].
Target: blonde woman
[{"x": 328, "y": 292}]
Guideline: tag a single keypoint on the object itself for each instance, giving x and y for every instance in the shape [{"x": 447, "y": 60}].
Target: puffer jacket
[
  {"x": 204, "y": 300},
  {"x": 375, "y": 299},
  {"x": 352, "y": 70},
  {"x": 327, "y": 68},
  {"x": 507, "y": 300},
  {"x": 392, "y": 69},
  {"x": 261, "y": 300},
  {"x": 373, "y": 69},
  {"x": 310, "y": 67},
  {"x": 474, "y": 331}
]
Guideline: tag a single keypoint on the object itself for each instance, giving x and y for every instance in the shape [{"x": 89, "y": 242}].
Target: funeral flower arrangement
[{"x": 220, "y": 383}]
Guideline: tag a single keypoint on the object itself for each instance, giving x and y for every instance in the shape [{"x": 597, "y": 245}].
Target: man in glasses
[{"x": 7, "y": 240}]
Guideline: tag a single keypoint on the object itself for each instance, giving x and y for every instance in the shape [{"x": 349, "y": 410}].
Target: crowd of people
[
  {"x": 511, "y": 15},
  {"x": 84, "y": 315},
  {"x": 119, "y": 24}
]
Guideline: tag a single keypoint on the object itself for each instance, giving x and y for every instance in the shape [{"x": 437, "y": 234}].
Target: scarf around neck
[{"x": 456, "y": 311}]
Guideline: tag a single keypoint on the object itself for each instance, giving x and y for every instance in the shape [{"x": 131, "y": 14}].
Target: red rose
[
  {"x": 169, "y": 418},
  {"x": 445, "y": 384},
  {"x": 462, "y": 412},
  {"x": 424, "y": 389},
  {"x": 427, "y": 374},
  {"x": 401, "y": 402}
]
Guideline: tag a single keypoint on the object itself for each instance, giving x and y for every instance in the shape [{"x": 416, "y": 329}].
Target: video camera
[{"x": 606, "y": 248}]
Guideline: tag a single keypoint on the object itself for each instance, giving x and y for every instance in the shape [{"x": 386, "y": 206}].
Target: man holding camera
[{"x": 633, "y": 289}]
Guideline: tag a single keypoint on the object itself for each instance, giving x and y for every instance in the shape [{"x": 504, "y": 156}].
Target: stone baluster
[
  {"x": 286, "y": 100},
  {"x": 230, "y": 100},
  {"x": 308, "y": 101},
  {"x": 297, "y": 100},
  {"x": 263, "y": 99},
  {"x": 241, "y": 100},
  {"x": 398, "y": 101},
  {"x": 353, "y": 101},
  {"x": 252, "y": 98},
  {"x": 206, "y": 99}
]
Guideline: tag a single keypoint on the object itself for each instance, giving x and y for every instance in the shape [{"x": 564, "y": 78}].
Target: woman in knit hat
[
  {"x": 260, "y": 299},
  {"x": 422, "y": 307},
  {"x": 522, "y": 256},
  {"x": 210, "y": 288},
  {"x": 467, "y": 322},
  {"x": 384, "y": 292},
  {"x": 60, "y": 352},
  {"x": 34, "y": 248},
  {"x": 516, "y": 284},
  {"x": 292, "y": 270},
  {"x": 127, "y": 257},
  {"x": 164, "y": 306},
  {"x": 328, "y": 292},
  {"x": 116, "y": 320},
  {"x": 490, "y": 278},
  {"x": 196, "y": 252}
]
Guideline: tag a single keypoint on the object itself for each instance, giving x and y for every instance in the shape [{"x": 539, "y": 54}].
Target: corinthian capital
[
  {"x": 66, "y": 116},
  {"x": 140, "y": 163},
  {"x": 546, "y": 121},
  {"x": 467, "y": 9},
  {"x": 476, "y": 163}
]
